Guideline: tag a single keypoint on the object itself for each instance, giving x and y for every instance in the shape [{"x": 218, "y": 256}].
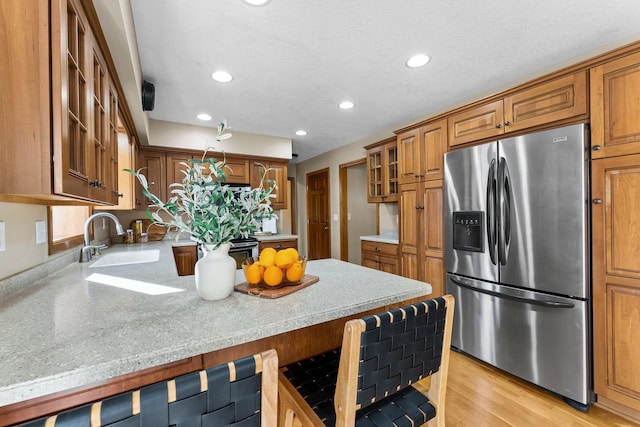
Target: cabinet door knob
[
  {"x": 597, "y": 201},
  {"x": 499, "y": 125},
  {"x": 507, "y": 123},
  {"x": 596, "y": 148},
  {"x": 378, "y": 249}
]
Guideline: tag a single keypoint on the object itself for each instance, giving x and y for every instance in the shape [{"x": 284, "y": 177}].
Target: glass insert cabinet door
[
  {"x": 392, "y": 171},
  {"x": 382, "y": 172},
  {"x": 375, "y": 174}
]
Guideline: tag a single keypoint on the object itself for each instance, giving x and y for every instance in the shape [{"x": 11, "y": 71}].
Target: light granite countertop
[
  {"x": 381, "y": 238},
  {"x": 270, "y": 237},
  {"x": 64, "y": 331}
]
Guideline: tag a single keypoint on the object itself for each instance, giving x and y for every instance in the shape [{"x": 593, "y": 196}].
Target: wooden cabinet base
[
  {"x": 380, "y": 256},
  {"x": 185, "y": 258},
  {"x": 278, "y": 244},
  {"x": 616, "y": 408}
]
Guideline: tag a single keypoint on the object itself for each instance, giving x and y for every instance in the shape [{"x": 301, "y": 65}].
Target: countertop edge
[{"x": 381, "y": 239}]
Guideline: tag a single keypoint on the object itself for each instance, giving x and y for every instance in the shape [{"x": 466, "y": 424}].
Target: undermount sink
[{"x": 127, "y": 257}]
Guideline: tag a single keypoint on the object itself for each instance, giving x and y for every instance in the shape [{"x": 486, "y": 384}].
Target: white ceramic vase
[{"x": 215, "y": 273}]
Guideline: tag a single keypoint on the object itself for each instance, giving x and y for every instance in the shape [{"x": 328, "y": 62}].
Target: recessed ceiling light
[
  {"x": 301, "y": 132},
  {"x": 256, "y": 2},
  {"x": 345, "y": 105},
  {"x": 222, "y": 76},
  {"x": 204, "y": 117},
  {"x": 417, "y": 61}
]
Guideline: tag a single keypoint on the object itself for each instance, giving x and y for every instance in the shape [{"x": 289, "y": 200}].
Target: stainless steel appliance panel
[
  {"x": 537, "y": 337},
  {"x": 542, "y": 211},
  {"x": 467, "y": 174}
]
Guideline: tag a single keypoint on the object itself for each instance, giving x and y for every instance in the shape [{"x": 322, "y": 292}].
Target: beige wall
[
  {"x": 331, "y": 160},
  {"x": 167, "y": 134},
  {"x": 388, "y": 216},
  {"x": 362, "y": 216},
  {"x": 21, "y": 251}
]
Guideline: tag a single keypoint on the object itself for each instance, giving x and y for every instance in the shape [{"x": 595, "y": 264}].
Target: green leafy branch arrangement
[{"x": 204, "y": 206}]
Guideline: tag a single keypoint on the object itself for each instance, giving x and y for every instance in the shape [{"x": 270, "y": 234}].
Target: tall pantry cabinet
[
  {"x": 421, "y": 174},
  {"x": 59, "y": 109},
  {"x": 615, "y": 144}
]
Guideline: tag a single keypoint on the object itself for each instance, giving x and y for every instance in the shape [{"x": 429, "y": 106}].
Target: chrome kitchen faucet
[{"x": 87, "y": 250}]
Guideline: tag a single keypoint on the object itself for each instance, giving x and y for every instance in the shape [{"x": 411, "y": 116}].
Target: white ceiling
[{"x": 293, "y": 61}]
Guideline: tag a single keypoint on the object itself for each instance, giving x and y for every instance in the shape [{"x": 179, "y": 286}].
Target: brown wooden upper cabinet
[
  {"x": 155, "y": 170},
  {"x": 61, "y": 99},
  {"x": 164, "y": 167},
  {"x": 278, "y": 173},
  {"x": 558, "y": 99},
  {"x": 421, "y": 152},
  {"x": 615, "y": 107},
  {"x": 382, "y": 171},
  {"x": 237, "y": 171},
  {"x": 127, "y": 183}
]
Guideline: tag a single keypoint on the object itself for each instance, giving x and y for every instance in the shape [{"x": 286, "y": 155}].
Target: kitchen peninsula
[{"x": 67, "y": 333}]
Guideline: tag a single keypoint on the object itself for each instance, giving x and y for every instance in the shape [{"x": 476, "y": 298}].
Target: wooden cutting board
[
  {"x": 276, "y": 291},
  {"x": 156, "y": 232}
]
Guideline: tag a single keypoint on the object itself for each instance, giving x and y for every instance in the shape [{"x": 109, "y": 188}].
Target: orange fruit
[
  {"x": 273, "y": 276},
  {"x": 267, "y": 257},
  {"x": 284, "y": 259},
  {"x": 294, "y": 253},
  {"x": 253, "y": 273},
  {"x": 294, "y": 273}
]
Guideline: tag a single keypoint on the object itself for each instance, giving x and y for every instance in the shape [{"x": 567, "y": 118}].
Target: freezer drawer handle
[{"x": 550, "y": 304}]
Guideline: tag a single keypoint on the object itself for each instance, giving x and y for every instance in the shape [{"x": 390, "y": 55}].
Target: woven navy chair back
[
  {"x": 374, "y": 379},
  {"x": 225, "y": 395},
  {"x": 398, "y": 348}
]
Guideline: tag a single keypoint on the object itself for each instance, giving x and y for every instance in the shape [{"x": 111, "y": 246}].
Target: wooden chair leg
[{"x": 293, "y": 410}]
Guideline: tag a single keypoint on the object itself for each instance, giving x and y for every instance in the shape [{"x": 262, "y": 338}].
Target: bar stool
[
  {"x": 379, "y": 376},
  {"x": 239, "y": 393}
]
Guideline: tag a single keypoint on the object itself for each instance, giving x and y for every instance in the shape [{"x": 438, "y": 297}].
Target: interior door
[{"x": 319, "y": 226}]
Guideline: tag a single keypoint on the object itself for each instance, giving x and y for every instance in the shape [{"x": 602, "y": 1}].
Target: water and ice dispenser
[{"x": 468, "y": 231}]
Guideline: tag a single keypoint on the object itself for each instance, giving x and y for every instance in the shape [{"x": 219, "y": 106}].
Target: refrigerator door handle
[
  {"x": 504, "y": 211},
  {"x": 491, "y": 211},
  {"x": 543, "y": 303}
]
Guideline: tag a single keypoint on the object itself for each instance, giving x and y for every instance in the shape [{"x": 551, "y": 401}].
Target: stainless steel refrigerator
[{"x": 517, "y": 257}]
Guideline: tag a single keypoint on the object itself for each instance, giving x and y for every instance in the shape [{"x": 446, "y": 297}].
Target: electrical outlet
[
  {"x": 3, "y": 242},
  {"x": 41, "y": 232},
  {"x": 348, "y": 216}
]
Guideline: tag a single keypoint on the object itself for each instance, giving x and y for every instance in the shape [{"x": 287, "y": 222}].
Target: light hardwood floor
[{"x": 479, "y": 395}]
